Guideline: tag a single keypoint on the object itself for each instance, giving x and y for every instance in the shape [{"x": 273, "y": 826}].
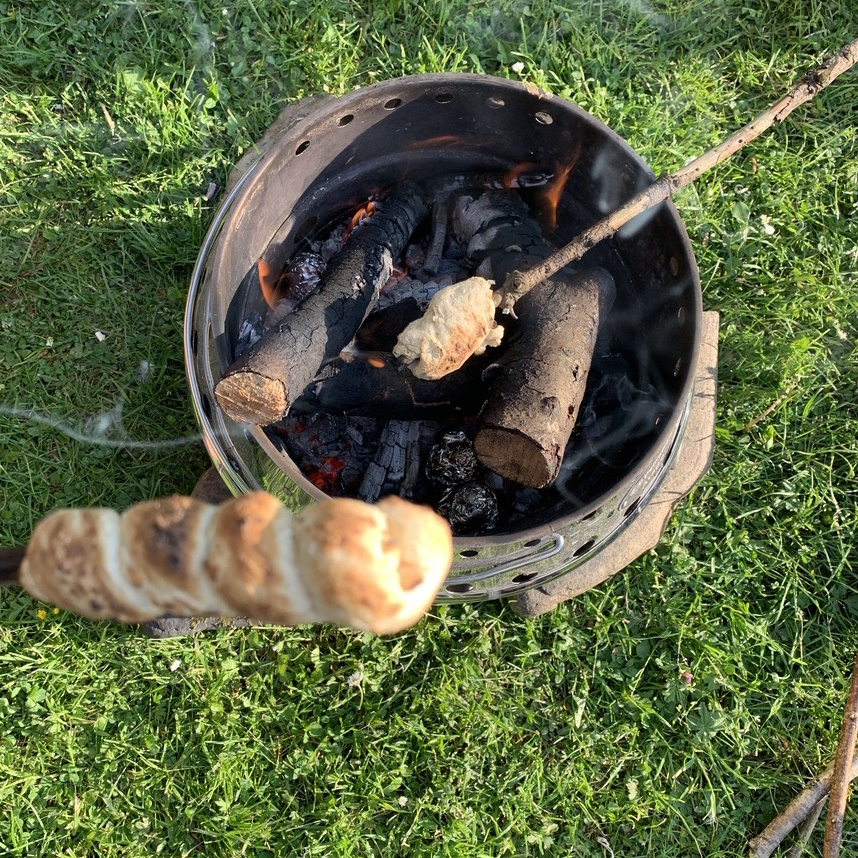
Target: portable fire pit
[{"x": 323, "y": 164}]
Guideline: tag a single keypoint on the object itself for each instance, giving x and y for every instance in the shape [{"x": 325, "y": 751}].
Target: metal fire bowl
[{"x": 421, "y": 126}]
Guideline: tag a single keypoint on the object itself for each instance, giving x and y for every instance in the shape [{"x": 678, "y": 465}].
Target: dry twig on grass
[
  {"x": 843, "y": 765},
  {"x": 835, "y": 779}
]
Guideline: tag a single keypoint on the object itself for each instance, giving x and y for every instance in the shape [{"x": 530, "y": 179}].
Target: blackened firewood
[
  {"x": 259, "y": 387},
  {"x": 536, "y": 397},
  {"x": 375, "y": 385}
]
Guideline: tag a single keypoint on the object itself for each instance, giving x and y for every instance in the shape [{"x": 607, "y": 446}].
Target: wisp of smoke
[{"x": 95, "y": 430}]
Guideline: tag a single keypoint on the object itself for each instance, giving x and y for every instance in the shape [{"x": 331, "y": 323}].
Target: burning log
[
  {"x": 259, "y": 387},
  {"x": 535, "y": 399},
  {"x": 373, "y": 568}
]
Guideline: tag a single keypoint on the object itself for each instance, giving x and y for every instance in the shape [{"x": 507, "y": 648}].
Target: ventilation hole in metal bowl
[
  {"x": 194, "y": 342},
  {"x": 590, "y": 515},
  {"x": 583, "y": 549},
  {"x": 344, "y": 120},
  {"x": 443, "y": 98},
  {"x": 677, "y": 367},
  {"x": 532, "y": 543},
  {"x": 524, "y": 577},
  {"x": 302, "y": 147},
  {"x": 392, "y": 104},
  {"x": 495, "y": 102},
  {"x": 680, "y": 316},
  {"x": 469, "y": 552},
  {"x": 543, "y": 118},
  {"x": 459, "y": 588},
  {"x": 631, "y": 508},
  {"x": 207, "y": 407}
]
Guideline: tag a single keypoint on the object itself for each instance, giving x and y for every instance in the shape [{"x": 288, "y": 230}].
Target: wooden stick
[
  {"x": 842, "y": 769},
  {"x": 765, "y": 843},
  {"x": 519, "y": 283},
  {"x": 806, "y": 830}
]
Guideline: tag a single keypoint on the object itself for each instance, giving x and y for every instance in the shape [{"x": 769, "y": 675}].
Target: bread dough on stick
[
  {"x": 372, "y": 568},
  {"x": 459, "y": 322}
]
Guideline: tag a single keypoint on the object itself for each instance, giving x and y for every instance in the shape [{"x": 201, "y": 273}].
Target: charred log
[
  {"x": 260, "y": 386},
  {"x": 535, "y": 399},
  {"x": 375, "y": 385}
]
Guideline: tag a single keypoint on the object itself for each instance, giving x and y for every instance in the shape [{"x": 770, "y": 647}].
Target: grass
[{"x": 477, "y": 733}]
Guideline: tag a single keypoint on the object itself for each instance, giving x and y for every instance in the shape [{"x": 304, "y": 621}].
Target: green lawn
[{"x": 477, "y": 733}]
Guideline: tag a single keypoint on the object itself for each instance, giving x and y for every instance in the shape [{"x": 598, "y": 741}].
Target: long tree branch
[
  {"x": 765, "y": 843},
  {"x": 519, "y": 283},
  {"x": 843, "y": 760}
]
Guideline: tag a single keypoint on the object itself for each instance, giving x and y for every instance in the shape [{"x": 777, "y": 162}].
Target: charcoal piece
[
  {"x": 470, "y": 508},
  {"x": 251, "y": 330},
  {"x": 260, "y": 386},
  {"x": 452, "y": 461}
]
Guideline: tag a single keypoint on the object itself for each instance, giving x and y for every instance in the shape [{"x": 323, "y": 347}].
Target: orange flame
[
  {"x": 267, "y": 282},
  {"x": 510, "y": 177},
  {"x": 359, "y": 217},
  {"x": 550, "y": 197}
]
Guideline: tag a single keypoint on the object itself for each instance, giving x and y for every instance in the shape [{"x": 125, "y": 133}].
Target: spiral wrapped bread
[{"x": 372, "y": 568}]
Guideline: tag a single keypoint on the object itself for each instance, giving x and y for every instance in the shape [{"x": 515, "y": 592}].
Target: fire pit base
[{"x": 691, "y": 463}]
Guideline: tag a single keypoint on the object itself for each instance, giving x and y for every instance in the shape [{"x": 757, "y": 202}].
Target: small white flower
[
  {"x": 100, "y": 337},
  {"x": 518, "y": 68},
  {"x": 49, "y": 342},
  {"x": 355, "y": 679},
  {"x": 767, "y": 227},
  {"x": 175, "y": 665},
  {"x": 224, "y": 12},
  {"x": 402, "y": 800}
]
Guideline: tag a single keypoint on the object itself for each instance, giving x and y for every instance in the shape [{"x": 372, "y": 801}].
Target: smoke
[{"x": 105, "y": 429}]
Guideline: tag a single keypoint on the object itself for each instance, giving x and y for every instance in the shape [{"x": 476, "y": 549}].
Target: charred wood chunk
[
  {"x": 499, "y": 233},
  {"x": 375, "y": 385},
  {"x": 260, "y": 386},
  {"x": 536, "y": 397}
]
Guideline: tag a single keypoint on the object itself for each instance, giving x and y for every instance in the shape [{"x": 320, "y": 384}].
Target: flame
[
  {"x": 509, "y": 178},
  {"x": 550, "y": 197},
  {"x": 267, "y": 282},
  {"x": 365, "y": 211}
]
